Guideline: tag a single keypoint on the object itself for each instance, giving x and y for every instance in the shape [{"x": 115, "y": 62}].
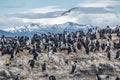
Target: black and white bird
[
  {"x": 117, "y": 55},
  {"x": 32, "y": 63},
  {"x": 43, "y": 67},
  {"x": 17, "y": 77},
  {"x": 52, "y": 77},
  {"x": 117, "y": 78},
  {"x": 98, "y": 77},
  {"x": 73, "y": 67}
]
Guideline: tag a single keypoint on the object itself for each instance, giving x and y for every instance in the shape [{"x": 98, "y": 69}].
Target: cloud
[
  {"x": 51, "y": 21},
  {"x": 96, "y": 12},
  {"x": 100, "y": 3},
  {"x": 54, "y": 12},
  {"x": 45, "y": 9},
  {"x": 37, "y": 13},
  {"x": 6, "y": 22},
  {"x": 99, "y": 19},
  {"x": 16, "y": 5},
  {"x": 89, "y": 10}
]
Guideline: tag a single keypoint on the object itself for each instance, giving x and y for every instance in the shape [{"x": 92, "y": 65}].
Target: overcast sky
[{"x": 95, "y": 12}]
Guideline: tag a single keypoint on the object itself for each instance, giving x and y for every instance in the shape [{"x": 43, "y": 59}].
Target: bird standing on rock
[
  {"x": 98, "y": 77},
  {"x": 44, "y": 67},
  {"x": 73, "y": 67},
  {"x": 52, "y": 77},
  {"x": 17, "y": 77},
  {"x": 117, "y": 78},
  {"x": 32, "y": 63}
]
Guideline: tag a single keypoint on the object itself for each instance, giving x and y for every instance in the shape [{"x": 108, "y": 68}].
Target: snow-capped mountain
[
  {"x": 57, "y": 28},
  {"x": 25, "y": 28}
]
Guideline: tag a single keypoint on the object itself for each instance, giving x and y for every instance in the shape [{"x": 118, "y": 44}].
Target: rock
[
  {"x": 4, "y": 79},
  {"x": 83, "y": 63},
  {"x": 89, "y": 62},
  {"x": 1, "y": 63},
  {"x": 107, "y": 66},
  {"x": 7, "y": 74},
  {"x": 14, "y": 71},
  {"x": 79, "y": 76},
  {"x": 1, "y": 72},
  {"x": 23, "y": 73},
  {"x": 29, "y": 79},
  {"x": 88, "y": 71}
]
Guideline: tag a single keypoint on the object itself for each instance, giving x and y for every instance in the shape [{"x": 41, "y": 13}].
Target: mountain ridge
[{"x": 69, "y": 26}]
